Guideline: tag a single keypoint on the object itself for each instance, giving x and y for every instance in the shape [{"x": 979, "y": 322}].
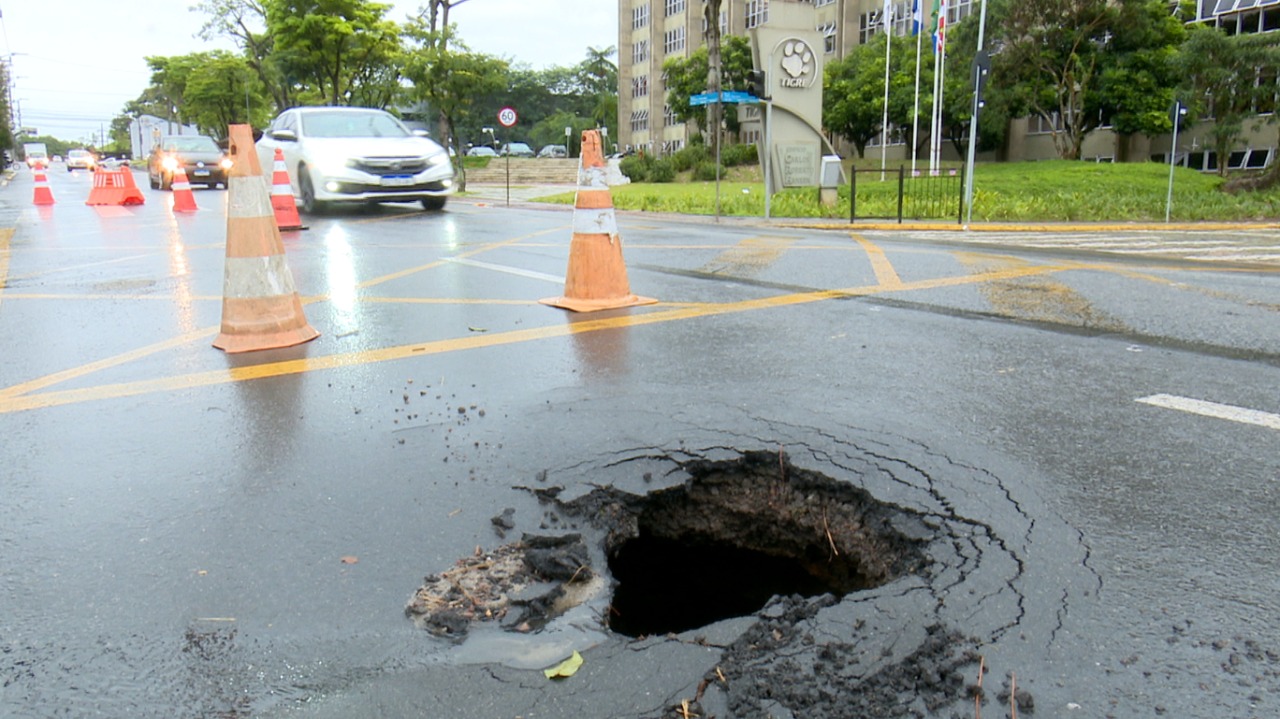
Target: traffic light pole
[{"x": 979, "y": 73}]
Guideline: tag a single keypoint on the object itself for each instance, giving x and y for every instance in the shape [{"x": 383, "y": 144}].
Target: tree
[
  {"x": 1228, "y": 78},
  {"x": 1050, "y": 50},
  {"x": 598, "y": 78},
  {"x": 853, "y": 94},
  {"x": 244, "y": 21},
  {"x": 688, "y": 76},
  {"x": 332, "y": 46},
  {"x": 223, "y": 90},
  {"x": 451, "y": 81},
  {"x": 715, "y": 70},
  {"x": 1139, "y": 69}
]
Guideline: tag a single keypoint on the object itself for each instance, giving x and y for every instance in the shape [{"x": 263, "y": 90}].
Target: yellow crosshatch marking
[{"x": 755, "y": 252}]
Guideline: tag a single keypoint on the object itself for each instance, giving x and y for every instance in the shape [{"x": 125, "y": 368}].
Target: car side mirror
[{"x": 284, "y": 135}]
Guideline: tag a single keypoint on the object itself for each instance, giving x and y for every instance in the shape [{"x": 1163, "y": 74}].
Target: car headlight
[
  {"x": 225, "y": 163},
  {"x": 328, "y": 164},
  {"x": 169, "y": 163},
  {"x": 438, "y": 159}
]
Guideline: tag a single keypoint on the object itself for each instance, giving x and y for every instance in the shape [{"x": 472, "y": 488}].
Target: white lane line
[
  {"x": 1213, "y": 409},
  {"x": 509, "y": 270}
]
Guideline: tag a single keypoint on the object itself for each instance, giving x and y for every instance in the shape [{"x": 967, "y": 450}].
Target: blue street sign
[{"x": 733, "y": 97}]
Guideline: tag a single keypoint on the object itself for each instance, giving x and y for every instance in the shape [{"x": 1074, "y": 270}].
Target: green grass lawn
[{"x": 1003, "y": 192}]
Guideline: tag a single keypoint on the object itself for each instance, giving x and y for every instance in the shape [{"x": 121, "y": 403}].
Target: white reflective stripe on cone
[
  {"x": 592, "y": 178},
  {"x": 281, "y": 189},
  {"x": 250, "y": 278},
  {"x": 244, "y": 200},
  {"x": 595, "y": 222}
]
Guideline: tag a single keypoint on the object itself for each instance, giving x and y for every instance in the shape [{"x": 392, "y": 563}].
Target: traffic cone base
[
  {"x": 114, "y": 187},
  {"x": 597, "y": 275},
  {"x": 43, "y": 195},
  {"x": 260, "y": 306},
  {"x": 183, "y": 199}
]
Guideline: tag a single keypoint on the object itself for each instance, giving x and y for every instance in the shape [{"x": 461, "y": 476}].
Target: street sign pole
[
  {"x": 507, "y": 117},
  {"x": 1175, "y": 114}
]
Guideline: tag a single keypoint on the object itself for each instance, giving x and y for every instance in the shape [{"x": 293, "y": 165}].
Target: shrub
[
  {"x": 706, "y": 171},
  {"x": 662, "y": 170},
  {"x": 734, "y": 155},
  {"x": 636, "y": 167},
  {"x": 690, "y": 157}
]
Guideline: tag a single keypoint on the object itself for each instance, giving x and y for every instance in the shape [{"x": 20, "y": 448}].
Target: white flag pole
[
  {"x": 916, "y": 18},
  {"x": 884, "y": 125}
]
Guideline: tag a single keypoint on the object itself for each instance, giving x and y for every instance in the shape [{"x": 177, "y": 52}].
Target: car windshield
[
  {"x": 194, "y": 143},
  {"x": 351, "y": 124},
  {"x": 78, "y": 153}
]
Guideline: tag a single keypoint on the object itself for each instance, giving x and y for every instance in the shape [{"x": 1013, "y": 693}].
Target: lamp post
[{"x": 1175, "y": 114}]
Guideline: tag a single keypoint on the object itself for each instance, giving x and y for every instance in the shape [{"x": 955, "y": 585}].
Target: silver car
[{"x": 356, "y": 155}]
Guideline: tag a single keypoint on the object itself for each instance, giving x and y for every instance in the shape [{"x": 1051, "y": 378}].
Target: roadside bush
[
  {"x": 706, "y": 171},
  {"x": 662, "y": 170},
  {"x": 690, "y": 157},
  {"x": 734, "y": 155},
  {"x": 636, "y": 167}
]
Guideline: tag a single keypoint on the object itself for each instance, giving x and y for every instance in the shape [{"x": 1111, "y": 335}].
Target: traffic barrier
[
  {"x": 260, "y": 306},
  {"x": 183, "y": 199},
  {"x": 597, "y": 275},
  {"x": 114, "y": 187},
  {"x": 43, "y": 195},
  {"x": 282, "y": 202}
]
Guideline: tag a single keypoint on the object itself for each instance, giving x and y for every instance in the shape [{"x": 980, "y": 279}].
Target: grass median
[{"x": 1052, "y": 191}]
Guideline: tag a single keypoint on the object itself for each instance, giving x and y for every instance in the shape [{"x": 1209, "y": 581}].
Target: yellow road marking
[
  {"x": 885, "y": 274},
  {"x": 9, "y": 402},
  {"x": 117, "y": 360}
]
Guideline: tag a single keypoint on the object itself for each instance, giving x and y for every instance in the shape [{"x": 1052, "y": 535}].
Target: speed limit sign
[{"x": 507, "y": 117}]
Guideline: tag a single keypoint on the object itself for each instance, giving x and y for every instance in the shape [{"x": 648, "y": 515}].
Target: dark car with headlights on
[
  {"x": 198, "y": 155},
  {"x": 356, "y": 155}
]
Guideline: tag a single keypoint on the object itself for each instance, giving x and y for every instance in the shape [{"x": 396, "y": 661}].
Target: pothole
[{"x": 740, "y": 532}]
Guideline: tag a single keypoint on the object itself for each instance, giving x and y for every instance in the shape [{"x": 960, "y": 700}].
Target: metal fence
[{"x": 898, "y": 194}]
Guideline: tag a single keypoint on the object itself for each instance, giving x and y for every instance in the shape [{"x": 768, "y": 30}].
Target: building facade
[{"x": 652, "y": 31}]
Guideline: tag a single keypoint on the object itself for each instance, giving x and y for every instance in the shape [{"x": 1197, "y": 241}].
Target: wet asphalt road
[{"x": 191, "y": 534}]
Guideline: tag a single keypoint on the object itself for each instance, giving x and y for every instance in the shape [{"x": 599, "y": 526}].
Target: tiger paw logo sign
[{"x": 797, "y": 64}]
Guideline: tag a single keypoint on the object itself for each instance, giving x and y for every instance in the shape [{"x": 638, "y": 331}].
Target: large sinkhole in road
[{"x": 742, "y": 531}]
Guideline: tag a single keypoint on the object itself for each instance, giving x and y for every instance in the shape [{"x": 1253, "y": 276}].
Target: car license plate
[
  {"x": 201, "y": 173},
  {"x": 397, "y": 181}
]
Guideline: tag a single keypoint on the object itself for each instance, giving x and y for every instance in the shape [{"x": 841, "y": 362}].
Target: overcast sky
[{"x": 76, "y": 62}]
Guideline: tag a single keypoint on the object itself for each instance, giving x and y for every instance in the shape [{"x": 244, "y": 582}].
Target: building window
[
  {"x": 640, "y": 86},
  {"x": 639, "y": 120},
  {"x": 820, "y": 3},
  {"x": 757, "y": 13},
  {"x": 673, "y": 41},
  {"x": 640, "y": 52},
  {"x": 674, "y": 7},
  {"x": 640, "y": 16},
  {"x": 828, "y": 36},
  {"x": 1037, "y": 125},
  {"x": 669, "y": 116}
]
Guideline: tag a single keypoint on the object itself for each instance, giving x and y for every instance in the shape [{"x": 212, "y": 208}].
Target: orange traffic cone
[
  {"x": 43, "y": 195},
  {"x": 114, "y": 187},
  {"x": 282, "y": 196},
  {"x": 260, "y": 307},
  {"x": 597, "y": 276},
  {"x": 183, "y": 199}
]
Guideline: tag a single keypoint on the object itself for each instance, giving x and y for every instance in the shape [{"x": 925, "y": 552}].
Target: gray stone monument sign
[{"x": 789, "y": 49}]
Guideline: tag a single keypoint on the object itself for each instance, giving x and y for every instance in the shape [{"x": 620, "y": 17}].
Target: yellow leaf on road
[{"x": 564, "y": 669}]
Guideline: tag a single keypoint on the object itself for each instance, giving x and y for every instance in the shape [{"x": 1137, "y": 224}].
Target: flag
[
  {"x": 939, "y": 25},
  {"x": 917, "y": 17},
  {"x": 887, "y": 17}
]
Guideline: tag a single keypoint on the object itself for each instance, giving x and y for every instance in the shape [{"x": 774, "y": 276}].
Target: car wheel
[
  {"x": 310, "y": 204},
  {"x": 155, "y": 184},
  {"x": 434, "y": 203}
]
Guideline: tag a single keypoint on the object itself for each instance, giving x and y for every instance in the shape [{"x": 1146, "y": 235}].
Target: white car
[
  {"x": 80, "y": 160},
  {"x": 357, "y": 155}
]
